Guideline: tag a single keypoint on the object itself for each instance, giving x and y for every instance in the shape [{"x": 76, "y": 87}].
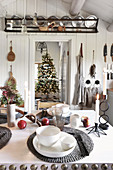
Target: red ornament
[
  {"x": 45, "y": 121},
  {"x": 22, "y": 124}
]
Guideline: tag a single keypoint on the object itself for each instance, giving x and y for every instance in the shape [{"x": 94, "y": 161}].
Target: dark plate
[
  {"x": 53, "y": 18},
  {"x": 18, "y": 21},
  {"x": 41, "y": 21}
]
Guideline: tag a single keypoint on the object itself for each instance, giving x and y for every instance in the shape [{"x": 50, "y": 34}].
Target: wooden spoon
[
  {"x": 11, "y": 78},
  {"x": 11, "y": 55}
]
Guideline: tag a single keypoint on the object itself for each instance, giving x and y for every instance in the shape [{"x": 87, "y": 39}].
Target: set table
[{"x": 16, "y": 151}]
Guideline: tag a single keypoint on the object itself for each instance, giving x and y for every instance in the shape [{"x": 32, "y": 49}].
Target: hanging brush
[
  {"x": 105, "y": 52},
  {"x": 92, "y": 70},
  {"x": 111, "y": 52}
]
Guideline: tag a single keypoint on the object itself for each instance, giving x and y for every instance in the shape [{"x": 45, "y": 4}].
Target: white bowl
[
  {"x": 67, "y": 142},
  {"x": 48, "y": 135},
  {"x": 63, "y": 107}
]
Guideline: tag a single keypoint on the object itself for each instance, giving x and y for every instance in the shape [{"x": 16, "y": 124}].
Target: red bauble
[
  {"x": 22, "y": 124},
  {"x": 45, "y": 121}
]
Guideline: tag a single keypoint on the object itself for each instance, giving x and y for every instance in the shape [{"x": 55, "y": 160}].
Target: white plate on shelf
[
  {"x": 79, "y": 22},
  {"x": 55, "y": 150},
  {"x": 90, "y": 24},
  {"x": 66, "y": 23}
]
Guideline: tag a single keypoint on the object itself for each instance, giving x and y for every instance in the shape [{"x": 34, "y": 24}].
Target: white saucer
[{"x": 55, "y": 150}]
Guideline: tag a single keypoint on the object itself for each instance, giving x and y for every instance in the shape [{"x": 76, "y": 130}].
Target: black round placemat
[
  {"x": 5, "y": 135},
  {"x": 3, "y": 117},
  {"x": 72, "y": 157}
]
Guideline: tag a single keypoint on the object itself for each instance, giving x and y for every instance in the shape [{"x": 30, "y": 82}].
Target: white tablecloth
[{"x": 16, "y": 151}]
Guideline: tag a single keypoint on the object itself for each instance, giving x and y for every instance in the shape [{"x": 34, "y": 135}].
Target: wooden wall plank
[
  {"x": 21, "y": 42},
  {"x": 20, "y": 65},
  {"x": 31, "y": 7},
  {"x": 42, "y": 7},
  {"x": 20, "y": 7}
]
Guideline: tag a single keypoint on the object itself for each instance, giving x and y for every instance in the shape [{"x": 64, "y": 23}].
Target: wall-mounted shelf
[{"x": 51, "y": 26}]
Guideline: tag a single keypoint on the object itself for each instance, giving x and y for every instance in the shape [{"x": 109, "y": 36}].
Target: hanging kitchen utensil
[
  {"x": 11, "y": 55},
  {"x": 80, "y": 90},
  {"x": 105, "y": 52},
  {"x": 111, "y": 52},
  {"x": 111, "y": 71},
  {"x": 11, "y": 78},
  {"x": 92, "y": 70},
  {"x": 108, "y": 72}
]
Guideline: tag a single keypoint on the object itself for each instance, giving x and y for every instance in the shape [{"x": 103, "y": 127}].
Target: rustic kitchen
[{"x": 56, "y": 84}]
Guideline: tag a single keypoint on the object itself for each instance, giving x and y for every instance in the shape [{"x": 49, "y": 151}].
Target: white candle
[
  {"x": 97, "y": 108},
  {"x": 104, "y": 81},
  {"x": 26, "y": 97},
  {"x": 29, "y": 102}
]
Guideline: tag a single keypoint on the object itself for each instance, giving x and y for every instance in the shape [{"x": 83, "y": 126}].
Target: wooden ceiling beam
[
  {"x": 110, "y": 27},
  {"x": 76, "y": 6}
]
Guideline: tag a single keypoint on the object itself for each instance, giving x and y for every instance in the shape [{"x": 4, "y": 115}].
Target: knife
[
  {"x": 105, "y": 52},
  {"x": 111, "y": 52}
]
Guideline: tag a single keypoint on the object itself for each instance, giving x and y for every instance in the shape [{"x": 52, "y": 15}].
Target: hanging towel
[{"x": 80, "y": 90}]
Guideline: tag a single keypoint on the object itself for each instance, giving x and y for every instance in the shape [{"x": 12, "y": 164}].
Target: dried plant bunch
[{"x": 10, "y": 94}]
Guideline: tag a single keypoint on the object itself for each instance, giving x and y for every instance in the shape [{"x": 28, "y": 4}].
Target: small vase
[{"x": 11, "y": 116}]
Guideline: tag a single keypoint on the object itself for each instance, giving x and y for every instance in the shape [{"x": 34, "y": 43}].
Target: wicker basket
[{"x": 43, "y": 28}]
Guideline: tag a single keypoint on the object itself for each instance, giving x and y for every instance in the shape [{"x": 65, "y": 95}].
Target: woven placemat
[
  {"x": 3, "y": 117},
  {"x": 72, "y": 157},
  {"x": 5, "y": 135}
]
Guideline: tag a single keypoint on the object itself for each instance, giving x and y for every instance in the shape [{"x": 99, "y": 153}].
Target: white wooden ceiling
[{"x": 103, "y": 9}]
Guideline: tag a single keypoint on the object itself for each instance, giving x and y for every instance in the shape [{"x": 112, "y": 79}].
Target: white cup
[{"x": 75, "y": 120}]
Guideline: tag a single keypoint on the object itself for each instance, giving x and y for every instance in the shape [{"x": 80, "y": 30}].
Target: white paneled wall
[
  {"x": 20, "y": 65},
  {"x": 3, "y": 59},
  {"x": 22, "y": 44}
]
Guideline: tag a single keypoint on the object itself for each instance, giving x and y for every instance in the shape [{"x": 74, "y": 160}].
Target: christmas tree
[{"x": 47, "y": 80}]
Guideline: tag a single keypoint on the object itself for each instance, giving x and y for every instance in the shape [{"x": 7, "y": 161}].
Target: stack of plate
[{"x": 57, "y": 149}]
